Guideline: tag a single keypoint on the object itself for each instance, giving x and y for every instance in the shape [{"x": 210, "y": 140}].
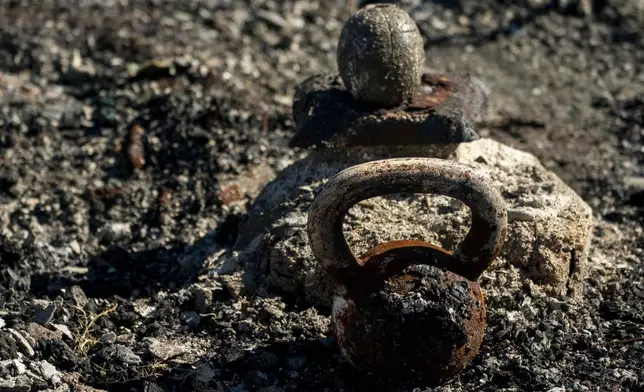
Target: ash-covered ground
[{"x": 135, "y": 134}]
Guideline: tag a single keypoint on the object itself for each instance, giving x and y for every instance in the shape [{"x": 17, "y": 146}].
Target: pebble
[
  {"x": 64, "y": 329},
  {"x": 164, "y": 350},
  {"x": 274, "y": 19},
  {"x": 19, "y": 366},
  {"x": 233, "y": 284},
  {"x": 115, "y": 232},
  {"x": 203, "y": 299},
  {"x": 108, "y": 338},
  {"x": 143, "y": 309},
  {"x": 80, "y": 299},
  {"x": 635, "y": 182},
  {"x": 120, "y": 353},
  {"x": 190, "y": 318},
  {"x": 48, "y": 371},
  {"x": 45, "y": 315},
  {"x": 22, "y": 343}
]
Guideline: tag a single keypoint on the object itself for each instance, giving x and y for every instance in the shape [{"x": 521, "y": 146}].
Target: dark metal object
[
  {"x": 407, "y": 308},
  {"x": 381, "y": 55},
  {"x": 441, "y": 111}
]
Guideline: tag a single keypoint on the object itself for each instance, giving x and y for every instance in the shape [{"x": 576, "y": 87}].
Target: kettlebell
[{"x": 408, "y": 309}]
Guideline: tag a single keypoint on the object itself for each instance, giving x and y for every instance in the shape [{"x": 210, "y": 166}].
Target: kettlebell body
[
  {"x": 408, "y": 309},
  {"x": 412, "y": 304}
]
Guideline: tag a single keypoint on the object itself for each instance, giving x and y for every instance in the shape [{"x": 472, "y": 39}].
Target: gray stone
[
  {"x": 203, "y": 299},
  {"x": 22, "y": 343},
  {"x": 19, "y": 366},
  {"x": 21, "y": 383},
  {"x": 190, "y": 318},
  {"x": 80, "y": 299},
  {"x": 48, "y": 371},
  {"x": 548, "y": 231},
  {"x": 63, "y": 329},
  {"x": 43, "y": 316},
  {"x": 115, "y": 232},
  {"x": 164, "y": 350},
  {"x": 118, "y": 352},
  {"x": 108, "y": 338}
]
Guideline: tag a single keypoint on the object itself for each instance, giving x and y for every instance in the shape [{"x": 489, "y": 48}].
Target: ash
[{"x": 118, "y": 278}]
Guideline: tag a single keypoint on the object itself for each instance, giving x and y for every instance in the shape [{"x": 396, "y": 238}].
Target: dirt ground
[{"x": 123, "y": 125}]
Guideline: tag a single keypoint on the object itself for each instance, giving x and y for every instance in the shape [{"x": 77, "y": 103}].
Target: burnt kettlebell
[{"x": 408, "y": 308}]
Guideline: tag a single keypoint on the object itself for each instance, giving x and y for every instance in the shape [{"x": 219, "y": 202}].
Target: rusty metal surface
[
  {"x": 407, "y": 175},
  {"x": 441, "y": 111},
  {"x": 406, "y": 318},
  {"x": 408, "y": 309}
]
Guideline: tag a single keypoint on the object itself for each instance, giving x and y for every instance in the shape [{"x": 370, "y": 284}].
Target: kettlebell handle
[{"x": 407, "y": 175}]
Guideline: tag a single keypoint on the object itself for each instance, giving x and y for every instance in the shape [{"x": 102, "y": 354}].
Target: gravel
[{"x": 123, "y": 123}]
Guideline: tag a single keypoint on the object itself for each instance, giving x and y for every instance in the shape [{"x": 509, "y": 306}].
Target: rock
[
  {"x": 22, "y": 343},
  {"x": 143, "y": 309},
  {"x": 273, "y": 18},
  {"x": 549, "y": 224},
  {"x": 271, "y": 311},
  {"x": 2, "y": 323},
  {"x": 45, "y": 315},
  {"x": 32, "y": 341},
  {"x": 203, "y": 299},
  {"x": 190, "y": 318},
  {"x": 634, "y": 182},
  {"x": 80, "y": 299},
  {"x": 48, "y": 371},
  {"x": 8, "y": 347},
  {"x": 63, "y": 329},
  {"x": 77, "y": 70},
  {"x": 73, "y": 379},
  {"x": 19, "y": 366},
  {"x": 108, "y": 338},
  {"x": 115, "y": 232},
  {"x": 164, "y": 350},
  {"x": 233, "y": 284},
  {"x": 120, "y": 353},
  {"x": 40, "y": 333},
  {"x": 21, "y": 383},
  {"x": 18, "y": 375}
]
